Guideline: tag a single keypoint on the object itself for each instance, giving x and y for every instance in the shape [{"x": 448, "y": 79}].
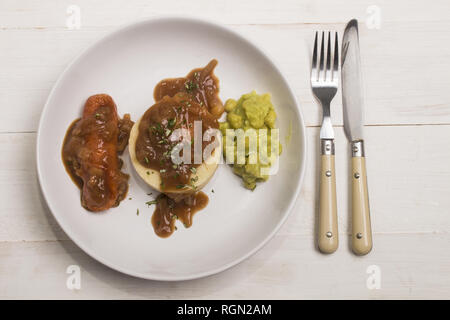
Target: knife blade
[
  {"x": 352, "y": 88},
  {"x": 353, "y": 109}
]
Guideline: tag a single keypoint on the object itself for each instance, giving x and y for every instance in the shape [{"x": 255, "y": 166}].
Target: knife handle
[
  {"x": 361, "y": 229},
  {"x": 328, "y": 225}
]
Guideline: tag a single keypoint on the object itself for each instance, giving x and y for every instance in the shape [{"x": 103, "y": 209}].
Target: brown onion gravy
[
  {"x": 155, "y": 142},
  {"x": 179, "y": 102},
  {"x": 168, "y": 211},
  {"x": 200, "y": 84},
  {"x": 90, "y": 153}
]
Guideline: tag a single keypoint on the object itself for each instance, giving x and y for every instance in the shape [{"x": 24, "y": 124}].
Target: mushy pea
[{"x": 250, "y": 113}]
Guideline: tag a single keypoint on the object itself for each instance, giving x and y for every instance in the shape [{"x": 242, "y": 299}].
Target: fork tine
[
  {"x": 314, "y": 61},
  {"x": 336, "y": 59},
  {"x": 321, "y": 71},
  {"x": 328, "y": 70}
]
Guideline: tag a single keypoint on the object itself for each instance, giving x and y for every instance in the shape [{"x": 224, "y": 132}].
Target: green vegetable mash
[{"x": 250, "y": 113}]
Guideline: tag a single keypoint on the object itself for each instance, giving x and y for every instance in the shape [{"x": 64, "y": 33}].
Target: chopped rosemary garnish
[
  {"x": 180, "y": 186},
  {"x": 149, "y": 203},
  {"x": 172, "y": 122},
  {"x": 137, "y": 212},
  {"x": 190, "y": 85},
  {"x": 193, "y": 181},
  {"x": 193, "y": 170},
  {"x": 146, "y": 160}
]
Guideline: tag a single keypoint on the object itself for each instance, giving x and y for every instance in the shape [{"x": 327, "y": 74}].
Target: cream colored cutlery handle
[
  {"x": 361, "y": 229},
  {"x": 328, "y": 225}
]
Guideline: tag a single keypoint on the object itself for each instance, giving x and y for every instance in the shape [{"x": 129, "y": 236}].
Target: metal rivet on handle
[
  {"x": 359, "y": 235},
  {"x": 356, "y": 175},
  {"x": 355, "y": 148},
  {"x": 328, "y": 173},
  {"x": 329, "y": 234}
]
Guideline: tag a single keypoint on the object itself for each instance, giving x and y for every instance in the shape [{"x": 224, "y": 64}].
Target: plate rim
[{"x": 175, "y": 18}]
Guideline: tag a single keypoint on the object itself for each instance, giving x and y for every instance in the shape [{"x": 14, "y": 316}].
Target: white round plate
[{"x": 127, "y": 65}]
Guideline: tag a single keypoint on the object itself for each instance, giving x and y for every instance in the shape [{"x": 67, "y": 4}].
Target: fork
[{"x": 324, "y": 83}]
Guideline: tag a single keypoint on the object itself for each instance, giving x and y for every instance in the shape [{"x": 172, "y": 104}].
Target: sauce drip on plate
[{"x": 168, "y": 211}]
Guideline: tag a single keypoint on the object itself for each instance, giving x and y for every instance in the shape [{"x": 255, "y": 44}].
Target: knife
[{"x": 353, "y": 107}]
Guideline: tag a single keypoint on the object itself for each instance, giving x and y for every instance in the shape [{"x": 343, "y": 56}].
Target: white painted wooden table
[{"x": 406, "y": 66}]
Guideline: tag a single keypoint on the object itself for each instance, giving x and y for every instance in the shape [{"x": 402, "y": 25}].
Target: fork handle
[
  {"x": 328, "y": 225},
  {"x": 361, "y": 229}
]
